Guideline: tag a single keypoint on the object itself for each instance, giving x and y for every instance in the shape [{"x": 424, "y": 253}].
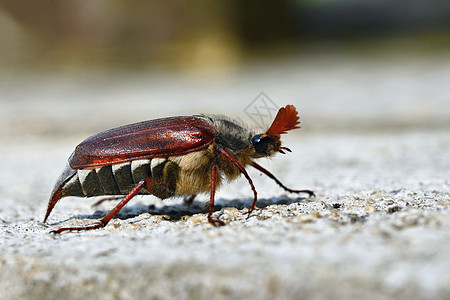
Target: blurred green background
[{"x": 210, "y": 36}]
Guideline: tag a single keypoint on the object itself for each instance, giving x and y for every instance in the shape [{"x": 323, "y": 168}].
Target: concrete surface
[{"x": 379, "y": 227}]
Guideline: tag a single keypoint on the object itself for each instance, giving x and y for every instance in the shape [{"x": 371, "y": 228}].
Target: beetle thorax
[
  {"x": 241, "y": 142},
  {"x": 230, "y": 135}
]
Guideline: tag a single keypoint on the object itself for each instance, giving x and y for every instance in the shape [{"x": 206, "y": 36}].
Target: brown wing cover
[{"x": 149, "y": 139}]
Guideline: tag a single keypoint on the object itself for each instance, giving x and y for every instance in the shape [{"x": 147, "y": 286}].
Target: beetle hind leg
[{"x": 154, "y": 187}]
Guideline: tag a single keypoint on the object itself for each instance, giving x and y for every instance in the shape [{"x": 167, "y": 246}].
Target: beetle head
[{"x": 269, "y": 143}]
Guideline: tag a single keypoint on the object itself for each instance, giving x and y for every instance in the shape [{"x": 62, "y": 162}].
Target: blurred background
[{"x": 77, "y": 67}]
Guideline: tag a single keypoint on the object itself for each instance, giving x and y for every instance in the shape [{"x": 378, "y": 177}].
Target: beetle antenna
[{"x": 287, "y": 119}]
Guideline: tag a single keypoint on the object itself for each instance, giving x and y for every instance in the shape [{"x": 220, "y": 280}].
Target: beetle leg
[
  {"x": 112, "y": 198},
  {"x": 109, "y": 216},
  {"x": 150, "y": 184},
  {"x": 189, "y": 199},
  {"x": 243, "y": 171},
  {"x": 213, "y": 221},
  {"x": 260, "y": 168}
]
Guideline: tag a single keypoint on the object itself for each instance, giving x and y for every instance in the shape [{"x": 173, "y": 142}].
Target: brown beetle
[{"x": 178, "y": 156}]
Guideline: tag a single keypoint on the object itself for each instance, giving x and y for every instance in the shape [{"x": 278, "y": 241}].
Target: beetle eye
[
  {"x": 261, "y": 144},
  {"x": 256, "y": 139}
]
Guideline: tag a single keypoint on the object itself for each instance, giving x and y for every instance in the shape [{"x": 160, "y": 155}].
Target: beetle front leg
[
  {"x": 244, "y": 172},
  {"x": 213, "y": 221},
  {"x": 260, "y": 168}
]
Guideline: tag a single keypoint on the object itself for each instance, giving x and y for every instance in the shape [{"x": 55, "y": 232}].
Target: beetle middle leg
[
  {"x": 213, "y": 221},
  {"x": 154, "y": 187},
  {"x": 111, "y": 198}
]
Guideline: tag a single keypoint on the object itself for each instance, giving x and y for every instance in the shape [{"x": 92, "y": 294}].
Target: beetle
[{"x": 175, "y": 156}]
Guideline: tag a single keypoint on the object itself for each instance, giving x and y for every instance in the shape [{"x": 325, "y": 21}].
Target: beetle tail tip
[
  {"x": 47, "y": 214},
  {"x": 56, "y": 195}
]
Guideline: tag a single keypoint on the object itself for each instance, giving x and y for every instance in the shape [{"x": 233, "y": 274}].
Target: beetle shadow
[{"x": 178, "y": 211}]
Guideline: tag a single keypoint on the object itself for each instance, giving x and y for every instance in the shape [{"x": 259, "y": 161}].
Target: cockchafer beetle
[{"x": 177, "y": 156}]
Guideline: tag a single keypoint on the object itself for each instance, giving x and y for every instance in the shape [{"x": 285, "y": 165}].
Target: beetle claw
[
  {"x": 215, "y": 222},
  {"x": 249, "y": 212},
  {"x": 99, "y": 224}
]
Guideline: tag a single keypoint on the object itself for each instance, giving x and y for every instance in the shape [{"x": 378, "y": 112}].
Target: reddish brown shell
[{"x": 149, "y": 139}]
